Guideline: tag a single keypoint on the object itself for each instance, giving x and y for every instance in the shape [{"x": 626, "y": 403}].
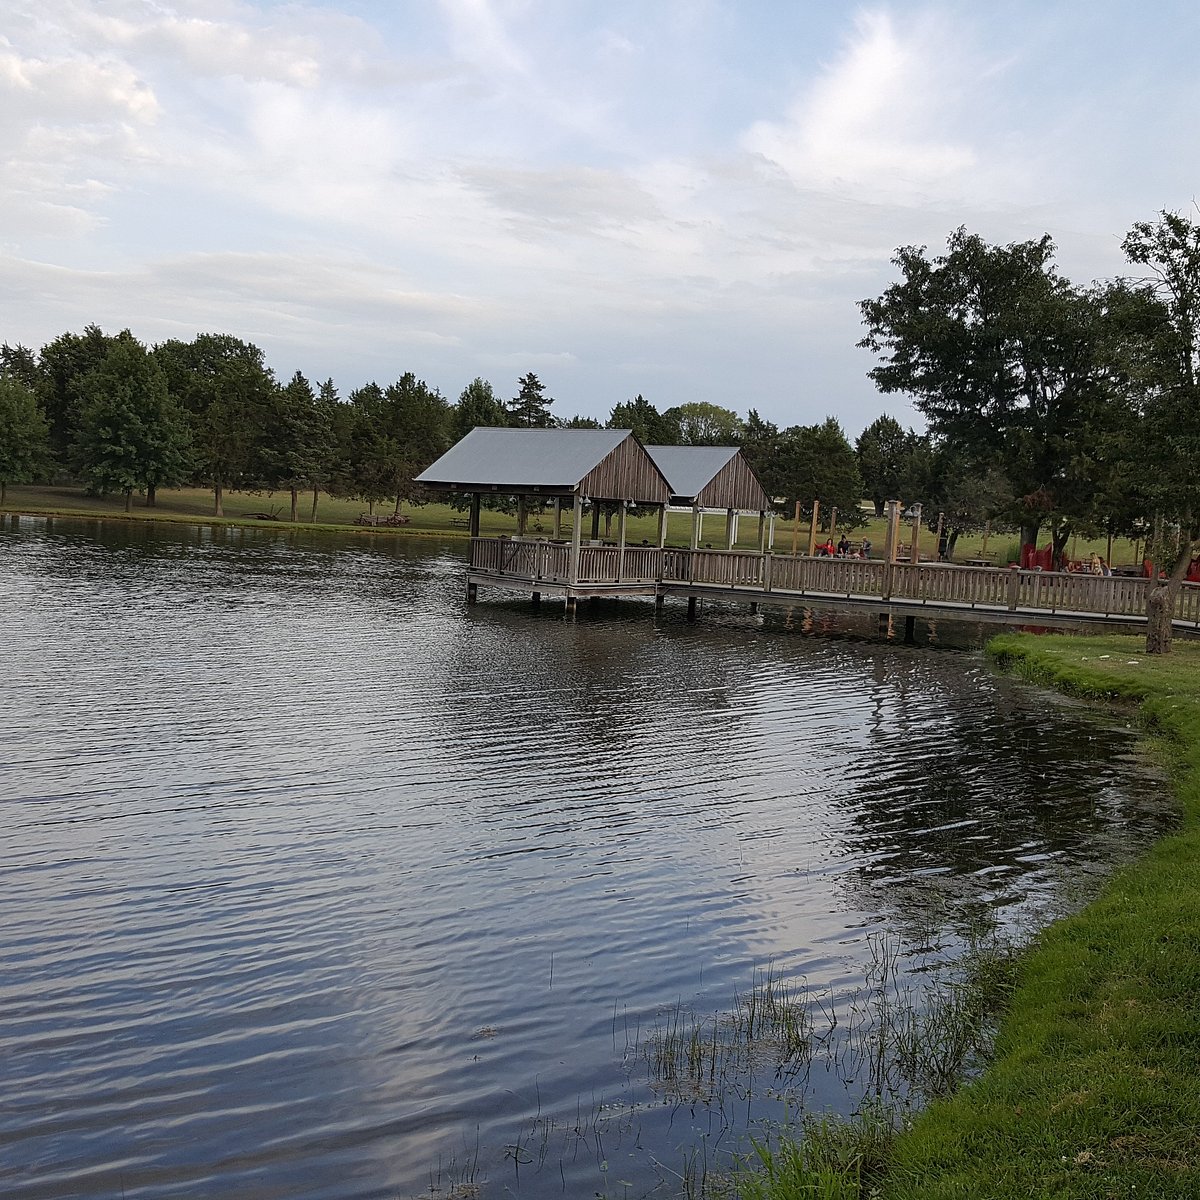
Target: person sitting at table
[
  {"x": 826, "y": 548},
  {"x": 843, "y": 546},
  {"x": 866, "y": 547},
  {"x": 1095, "y": 566}
]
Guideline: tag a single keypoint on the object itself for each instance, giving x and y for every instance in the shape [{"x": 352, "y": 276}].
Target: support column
[
  {"x": 576, "y": 532},
  {"x": 695, "y": 528},
  {"x": 570, "y": 605},
  {"x": 473, "y": 519},
  {"x": 890, "y": 545},
  {"x": 796, "y": 531},
  {"x": 832, "y": 522},
  {"x": 521, "y": 516},
  {"x": 730, "y": 528},
  {"x": 914, "y": 554},
  {"x": 910, "y": 630},
  {"x": 662, "y": 526},
  {"x": 536, "y": 598},
  {"x": 622, "y": 514},
  {"x": 472, "y": 592},
  {"x": 558, "y": 518},
  {"x": 771, "y": 530},
  {"x": 812, "y": 531},
  {"x": 691, "y": 608},
  {"x": 761, "y": 540},
  {"x": 595, "y": 519}
]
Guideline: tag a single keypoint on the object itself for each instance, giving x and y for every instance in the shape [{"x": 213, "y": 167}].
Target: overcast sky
[{"x": 683, "y": 199}]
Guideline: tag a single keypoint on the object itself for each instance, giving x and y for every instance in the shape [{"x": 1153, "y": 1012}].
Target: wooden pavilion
[
  {"x": 583, "y": 467},
  {"x": 715, "y": 479}
]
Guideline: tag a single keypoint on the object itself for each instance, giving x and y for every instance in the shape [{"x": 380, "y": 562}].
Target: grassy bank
[
  {"x": 240, "y": 508},
  {"x": 1094, "y": 1089}
]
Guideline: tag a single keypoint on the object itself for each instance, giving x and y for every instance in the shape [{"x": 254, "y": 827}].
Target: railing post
[
  {"x": 768, "y": 560},
  {"x": 1014, "y": 588}
]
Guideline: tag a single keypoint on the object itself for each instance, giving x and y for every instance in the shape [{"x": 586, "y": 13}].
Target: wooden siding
[
  {"x": 734, "y": 486},
  {"x": 627, "y": 473}
]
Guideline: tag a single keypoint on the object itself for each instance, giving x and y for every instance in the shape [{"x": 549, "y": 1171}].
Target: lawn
[{"x": 196, "y": 504}]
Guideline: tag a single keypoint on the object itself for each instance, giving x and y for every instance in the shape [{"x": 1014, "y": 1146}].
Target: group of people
[
  {"x": 845, "y": 548},
  {"x": 1094, "y": 565}
]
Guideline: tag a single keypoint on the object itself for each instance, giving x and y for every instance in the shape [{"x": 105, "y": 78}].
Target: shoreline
[{"x": 1093, "y": 1086}]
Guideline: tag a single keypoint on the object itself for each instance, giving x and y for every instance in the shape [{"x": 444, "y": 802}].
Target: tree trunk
[
  {"x": 951, "y": 542},
  {"x": 1160, "y": 603},
  {"x": 295, "y": 496},
  {"x": 151, "y": 495},
  {"x": 1059, "y": 544},
  {"x": 218, "y": 507},
  {"x": 316, "y": 495},
  {"x": 129, "y": 499},
  {"x": 396, "y": 510},
  {"x": 371, "y": 508},
  {"x": 1029, "y": 533}
]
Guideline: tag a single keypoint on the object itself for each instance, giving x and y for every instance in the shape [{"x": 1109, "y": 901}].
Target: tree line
[
  {"x": 120, "y": 418},
  {"x": 1050, "y": 407}
]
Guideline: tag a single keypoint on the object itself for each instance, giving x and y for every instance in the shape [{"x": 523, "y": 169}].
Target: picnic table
[{"x": 375, "y": 519}]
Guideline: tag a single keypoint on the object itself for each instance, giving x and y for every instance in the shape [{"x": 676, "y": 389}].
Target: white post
[
  {"x": 695, "y": 528},
  {"x": 730, "y": 528}
]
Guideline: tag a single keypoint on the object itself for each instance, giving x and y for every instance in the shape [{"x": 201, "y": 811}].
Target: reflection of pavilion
[{"x": 597, "y": 469}]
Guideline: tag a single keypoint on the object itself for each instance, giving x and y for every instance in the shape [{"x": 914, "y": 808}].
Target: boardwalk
[{"x": 999, "y": 594}]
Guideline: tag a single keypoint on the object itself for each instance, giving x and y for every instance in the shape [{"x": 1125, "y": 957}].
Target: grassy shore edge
[{"x": 1094, "y": 1088}]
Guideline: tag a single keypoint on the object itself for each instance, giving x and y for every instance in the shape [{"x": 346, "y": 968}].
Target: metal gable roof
[
  {"x": 550, "y": 458},
  {"x": 690, "y": 468}
]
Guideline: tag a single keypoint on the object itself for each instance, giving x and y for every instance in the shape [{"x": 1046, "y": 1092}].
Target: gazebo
[
  {"x": 712, "y": 479},
  {"x": 592, "y": 466}
]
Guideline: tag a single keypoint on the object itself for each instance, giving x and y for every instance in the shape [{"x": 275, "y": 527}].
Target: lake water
[{"x": 317, "y": 883}]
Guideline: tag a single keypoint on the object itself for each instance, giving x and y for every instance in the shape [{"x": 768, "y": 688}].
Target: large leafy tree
[
  {"x": 131, "y": 435},
  {"x": 816, "y": 462},
  {"x": 1167, "y": 442},
  {"x": 24, "y": 434},
  {"x": 1005, "y": 359},
  {"x": 530, "y": 407},
  {"x": 62, "y": 364},
  {"x": 700, "y": 423},
  {"x": 227, "y": 390}
]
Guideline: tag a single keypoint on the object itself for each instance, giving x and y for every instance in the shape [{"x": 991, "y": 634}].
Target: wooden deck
[{"x": 998, "y": 594}]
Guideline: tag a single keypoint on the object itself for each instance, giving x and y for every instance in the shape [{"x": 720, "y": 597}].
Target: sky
[{"x": 679, "y": 198}]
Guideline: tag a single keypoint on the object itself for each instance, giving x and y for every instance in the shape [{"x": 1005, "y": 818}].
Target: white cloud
[{"x": 884, "y": 121}]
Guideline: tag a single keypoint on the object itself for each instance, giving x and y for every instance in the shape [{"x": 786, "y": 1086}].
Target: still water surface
[{"x": 316, "y": 883}]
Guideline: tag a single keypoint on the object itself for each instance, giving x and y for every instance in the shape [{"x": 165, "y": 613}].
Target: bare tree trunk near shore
[
  {"x": 295, "y": 501},
  {"x": 316, "y": 496},
  {"x": 1160, "y": 603},
  {"x": 218, "y": 507}
]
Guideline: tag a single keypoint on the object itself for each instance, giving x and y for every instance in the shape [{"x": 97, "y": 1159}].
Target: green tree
[
  {"x": 817, "y": 462},
  {"x": 478, "y": 405},
  {"x": 62, "y": 364},
  {"x": 578, "y": 422},
  {"x": 1005, "y": 360},
  {"x": 131, "y": 434},
  {"x": 530, "y": 407},
  {"x": 19, "y": 363},
  {"x": 227, "y": 390},
  {"x": 885, "y": 451},
  {"x": 24, "y": 434},
  {"x": 647, "y": 423},
  {"x": 297, "y": 445},
  {"x": 702, "y": 424},
  {"x": 1168, "y": 435}
]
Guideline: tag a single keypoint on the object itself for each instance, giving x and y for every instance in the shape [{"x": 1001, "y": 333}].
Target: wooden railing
[{"x": 937, "y": 584}]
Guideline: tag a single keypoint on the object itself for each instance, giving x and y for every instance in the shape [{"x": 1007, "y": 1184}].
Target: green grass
[
  {"x": 196, "y": 504},
  {"x": 1094, "y": 1087}
]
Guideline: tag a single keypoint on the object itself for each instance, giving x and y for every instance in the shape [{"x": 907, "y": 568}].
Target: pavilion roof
[
  {"x": 603, "y": 464},
  {"x": 717, "y": 477}
]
